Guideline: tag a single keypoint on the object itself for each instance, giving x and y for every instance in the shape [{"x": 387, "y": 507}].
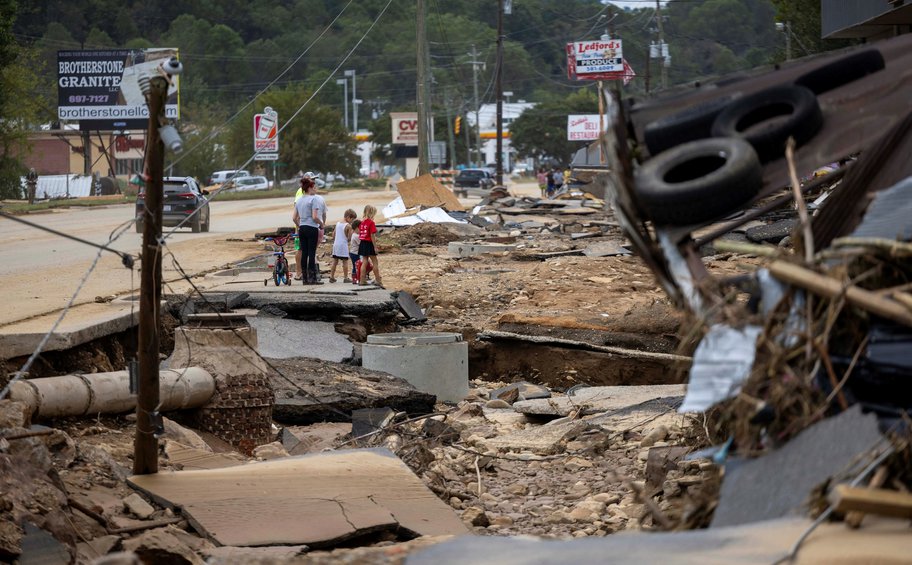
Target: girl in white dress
[{"x": 340, "y": 245}]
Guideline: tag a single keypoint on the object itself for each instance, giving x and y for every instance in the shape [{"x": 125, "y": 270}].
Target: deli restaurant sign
[{"x": 595, "y": 60}]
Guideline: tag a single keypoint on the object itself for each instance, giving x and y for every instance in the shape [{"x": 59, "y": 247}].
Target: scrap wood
[
  {"x": 730, "y": 246},
  {"x": 893, "y": 247},
  {"x": 492, "y": 335},
  {"x": 831, "y": 288},
  {"x": 428, "y": 192},
  {"x": 881, "y": 502}
]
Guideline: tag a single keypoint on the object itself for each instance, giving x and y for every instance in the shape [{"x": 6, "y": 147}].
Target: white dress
[{"x": 340, "y": 243}]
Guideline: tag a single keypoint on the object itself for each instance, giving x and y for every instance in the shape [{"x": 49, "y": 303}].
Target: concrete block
[
  {"x": 436, "y": 363},
  {"x": 279, "y": 338},
  {"x": 468, "y": 249}
]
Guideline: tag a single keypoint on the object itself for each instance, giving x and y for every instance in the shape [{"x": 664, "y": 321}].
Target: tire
[
  {"x": 205, "y": 227},
  {"x": 842, "y": 71},
  {"x": 698, "y": 181},
  {"x": 687, "y": 125},
  {"x": 797, "y": 102},
  {"x": 195, "y": 225}
]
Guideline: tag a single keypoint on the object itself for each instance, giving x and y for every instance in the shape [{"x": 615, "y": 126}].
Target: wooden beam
[
  {"x": 829, "y": 287},
  {"x": 881, "y": 502}
]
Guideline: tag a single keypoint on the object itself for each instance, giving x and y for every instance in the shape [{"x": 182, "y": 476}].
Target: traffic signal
[{"x": 457, "y": 125}]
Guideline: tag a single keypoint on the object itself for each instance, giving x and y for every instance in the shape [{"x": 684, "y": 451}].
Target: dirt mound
[{"x": 421, "y": 234}]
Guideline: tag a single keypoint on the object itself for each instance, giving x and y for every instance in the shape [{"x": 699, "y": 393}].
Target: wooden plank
[
  {"x": 314, "y": 500},
  {"x": 831, "y": 288},
  {"x": 881, "y": 502},
  {"x": 427, "y": 191}
]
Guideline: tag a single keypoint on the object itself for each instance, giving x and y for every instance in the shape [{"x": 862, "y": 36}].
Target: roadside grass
[{"x": 129, "y": 197}]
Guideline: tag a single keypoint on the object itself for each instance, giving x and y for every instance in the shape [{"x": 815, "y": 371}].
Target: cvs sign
[{"x": 405, "y": 128}]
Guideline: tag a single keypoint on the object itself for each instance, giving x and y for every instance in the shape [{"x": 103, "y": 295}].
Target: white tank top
[{"x": 340, "y": 243}]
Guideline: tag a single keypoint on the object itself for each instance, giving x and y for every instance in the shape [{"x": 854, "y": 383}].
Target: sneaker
[
  {"x": 332, "y": 279},
  {"x": 346, "y": 280}
]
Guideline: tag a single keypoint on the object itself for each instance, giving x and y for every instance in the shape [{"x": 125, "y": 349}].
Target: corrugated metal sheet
[{"x": 62, "y": 186}]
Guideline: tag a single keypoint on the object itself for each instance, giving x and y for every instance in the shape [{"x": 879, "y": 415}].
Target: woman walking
[{"x": 310, "y": 217}]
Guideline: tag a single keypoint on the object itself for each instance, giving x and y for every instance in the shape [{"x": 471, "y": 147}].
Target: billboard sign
[
  {"x": 405, "y": 128},
  {"x": 101, "y": 86},
  {"x": 583, "y": 127},
  {"x": 266, "y": 134},
  {"x": 595, "y": 60}
]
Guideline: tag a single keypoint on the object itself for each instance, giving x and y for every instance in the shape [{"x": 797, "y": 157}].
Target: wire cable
[
  {"x": 126, "y": 258},
  {"x": 267, "y": 87},
  {"x": 290, "y": 120},
  {"x": 44, "y": 340}
]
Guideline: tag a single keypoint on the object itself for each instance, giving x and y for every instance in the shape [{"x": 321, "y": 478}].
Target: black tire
[
  {"x": 195, "y": 225},
  {"x": 804, "y": 119},
  {"x": 687, "y": 125},
  {"x": 205, "y": 227},
  {"x": 842, "y": 71},
  {"x": 698, "y": 181}
]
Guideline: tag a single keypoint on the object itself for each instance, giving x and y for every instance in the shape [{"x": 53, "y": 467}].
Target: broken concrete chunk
[
  {"x": 138, "y": 506},
  {"x": 86, "y": 552},
  {"x": 544, "y": 440},
  {"x": 10, "y": 541},
  {"x": 268, "y": 451},
  {"x": 184, "y": 436},
  {"x": 231, "y": 555},
  {"x": 38, "y": 546},
  {"x": 497, "y": 403},
  {"x": 367, "y": 421},
  {"x": 598, "y": 399},
  {"x": 409, "y": 307},
  {"x": 314, "y": 438},
  {"x": 524, "y": 391},
  {"x": 161, "y": 546},
  {"x": 657, "y": 433},
  {"x": 14, "y": 414},
  {"x": 280, "y": 338},
  {"x": 475, "y": 516}
]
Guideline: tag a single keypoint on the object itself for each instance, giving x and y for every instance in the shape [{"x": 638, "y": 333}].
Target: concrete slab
[
  {"x": 280, "y": 338},
  {"x": 524, "y": 391},
  {"x": 599, "y": 399},
  {"x": 300, "y": 440},
  {"x": 544, "y": 440},
  {"x": 312, "y": 500},
  {"x": 470, "y": 249},
  {"x": 82, "y": 324}
]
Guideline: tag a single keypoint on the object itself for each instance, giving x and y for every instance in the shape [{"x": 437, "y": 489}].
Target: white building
[{"x": 487, "y": 116}]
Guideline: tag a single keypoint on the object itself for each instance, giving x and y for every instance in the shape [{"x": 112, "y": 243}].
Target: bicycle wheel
[{"x": 287, "y": 272}]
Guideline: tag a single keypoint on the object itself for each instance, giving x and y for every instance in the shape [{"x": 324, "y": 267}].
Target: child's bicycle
[{"x": 280, "y": 273}]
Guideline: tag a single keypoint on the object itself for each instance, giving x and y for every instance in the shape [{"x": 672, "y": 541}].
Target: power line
[{"x": 293, "y": 116}]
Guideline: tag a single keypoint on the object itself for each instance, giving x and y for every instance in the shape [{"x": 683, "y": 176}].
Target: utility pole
[
  {"x": 475, "y": 64},
  {"x": 344, "y": 83},
  {"x": 87, "y": 153},
  {"x": 423, "y": 99},
  {"x": 499, "y": 87},
  {"x": 451, "y": 139},
  {"x": 788, "y": 41},
  {"x": 145, "y": 456},
  {"x": 354, "y": 99},
  {"x": 662, "y": 49},
  {"x": 648, "y": 66}
]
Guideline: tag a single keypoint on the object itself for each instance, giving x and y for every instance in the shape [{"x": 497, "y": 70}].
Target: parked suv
[
  {"x": 472, "y": 178},
  {"x": 218, "y": 177},
  {"x": 182, "y": 197}
]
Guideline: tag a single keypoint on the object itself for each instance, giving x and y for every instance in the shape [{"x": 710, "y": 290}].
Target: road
[{"x": 39, "y": 271}]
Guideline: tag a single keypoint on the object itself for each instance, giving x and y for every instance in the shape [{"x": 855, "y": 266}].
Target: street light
[
  {"x": 354, "y": 99},
  {"x": 344, "y": 83}
]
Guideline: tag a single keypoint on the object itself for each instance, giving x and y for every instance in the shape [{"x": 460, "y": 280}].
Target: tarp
[
  {"x": 62, "y": 186},
  {"x": 431, "y": 215}
]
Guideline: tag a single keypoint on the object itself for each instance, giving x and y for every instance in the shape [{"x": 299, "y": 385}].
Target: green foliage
[
  {"x": 18, "y": 108},
  {"x": 541, "y": 132},
  {"x": 315, "y": 140}
]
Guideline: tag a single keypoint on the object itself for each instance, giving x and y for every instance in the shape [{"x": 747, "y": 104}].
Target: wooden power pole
[
  {"x": 499, "y": 87},
  {"x": 145, "y": 459},
  {"x": 423, "y": 98}
]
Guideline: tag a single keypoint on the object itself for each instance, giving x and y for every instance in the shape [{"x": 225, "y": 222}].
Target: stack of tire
[{"x": 708, "y": 159}]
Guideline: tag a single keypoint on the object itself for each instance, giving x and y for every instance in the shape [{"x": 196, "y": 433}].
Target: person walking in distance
[
  {"x": 366, "y": 249},
  {"x": 310, "y": 217},
  {"x": 341, "y": 234}
]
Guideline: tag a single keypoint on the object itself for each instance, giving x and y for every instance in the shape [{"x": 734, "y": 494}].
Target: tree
[
  {"x": 541, "y": 132},
  {"x": 18, "y": 107},
  {"x": 315, "y": 140}
]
